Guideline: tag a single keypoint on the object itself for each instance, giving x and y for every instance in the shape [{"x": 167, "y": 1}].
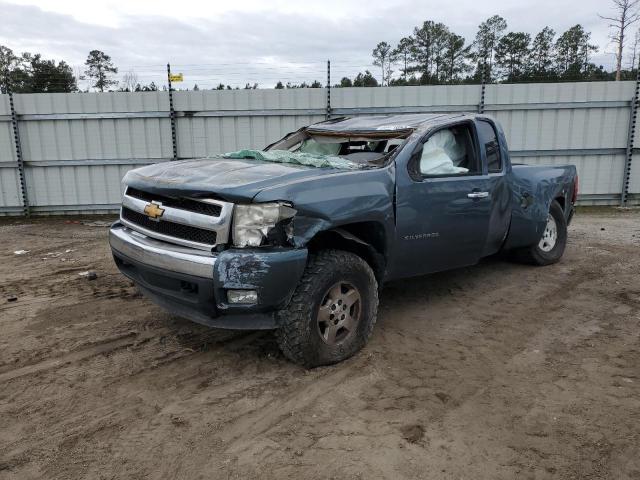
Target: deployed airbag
[{"x": 441, "y": 153}]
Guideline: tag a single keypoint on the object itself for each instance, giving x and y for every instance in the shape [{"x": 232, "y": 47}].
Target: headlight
[{"x": 252, "y": 223}]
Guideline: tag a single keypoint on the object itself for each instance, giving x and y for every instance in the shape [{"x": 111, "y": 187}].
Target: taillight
[{"x": 574, "y": 197}]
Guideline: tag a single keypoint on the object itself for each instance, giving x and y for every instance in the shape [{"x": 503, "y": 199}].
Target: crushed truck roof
[{"x": 377, "y": 123}]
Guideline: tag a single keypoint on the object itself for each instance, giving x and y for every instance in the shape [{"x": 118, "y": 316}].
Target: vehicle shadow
[{"x": 412, "y": 290}]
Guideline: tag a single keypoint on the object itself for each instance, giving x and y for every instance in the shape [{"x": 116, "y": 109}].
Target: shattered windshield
[
  {"x": 327, "y": 151},
  {"x": 301, "y": 158}
]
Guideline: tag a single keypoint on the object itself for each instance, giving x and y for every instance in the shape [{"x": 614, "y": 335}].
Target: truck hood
[
  {"x": 228, "y": 179},
  {"x": 323, "y": 197}
]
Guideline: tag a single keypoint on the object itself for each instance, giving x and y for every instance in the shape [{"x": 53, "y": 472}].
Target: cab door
[
  {"x": 493, "y": 147},
  {"x": 442, "y": 214}
]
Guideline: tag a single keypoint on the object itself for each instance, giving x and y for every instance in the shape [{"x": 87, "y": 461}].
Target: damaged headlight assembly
[{"x": 257, "y": 224}]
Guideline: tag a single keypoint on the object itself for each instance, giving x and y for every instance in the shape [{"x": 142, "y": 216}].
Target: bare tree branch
[{"x": 627, "y": 14}]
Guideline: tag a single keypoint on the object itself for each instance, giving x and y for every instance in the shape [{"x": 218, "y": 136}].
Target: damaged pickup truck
[{"x": 300, "y": 236}]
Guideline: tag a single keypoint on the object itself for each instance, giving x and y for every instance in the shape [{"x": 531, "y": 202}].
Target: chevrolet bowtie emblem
[{"x": 154, "y": 210}]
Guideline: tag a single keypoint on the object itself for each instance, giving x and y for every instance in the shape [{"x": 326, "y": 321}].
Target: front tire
[
  {"x": 332, "y": 312},
  {"x": 552, "y": 243}
]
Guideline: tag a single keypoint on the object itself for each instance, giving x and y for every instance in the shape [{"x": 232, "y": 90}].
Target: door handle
[{"x": 478, "y": 194}]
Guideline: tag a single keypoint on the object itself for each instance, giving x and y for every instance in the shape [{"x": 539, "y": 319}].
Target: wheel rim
[
  {"x": 550, "y": 235},
  {"x": 339, "y": 313}
]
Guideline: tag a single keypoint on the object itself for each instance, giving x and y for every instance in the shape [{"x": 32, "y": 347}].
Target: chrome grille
[
  {"x": 184, "y": 232},
  {"x": 197, "y": 223},
  {"x": 180, "y": 203}
]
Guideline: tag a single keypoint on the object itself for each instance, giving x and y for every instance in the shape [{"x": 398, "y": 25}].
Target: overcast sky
[{"x": 263, "y": 41}]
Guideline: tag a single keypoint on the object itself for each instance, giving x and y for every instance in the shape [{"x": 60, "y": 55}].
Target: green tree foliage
[
  {"x": 9, "y": 63},
  {"x": 572, "y": 54},
  {"x": 489, "y": 34},
  {"x": 314, "y": 84},
  {"x": 512, "y": 55},
  {"x": 404, "y": 82},
  {"x": 541, "y": 54},
  {"x": 279, "y": 86},
  {"x": 383, "y": 56},
  {"x": 428, "y": 51},
  {"x": 152, "y": 87},
  {"x": 365, "y": 79},
  {"x": 402, "y": 52},
  {"x": 345, "y": 82},
  {"x": 32, "y": 74},
  {"x": 99, "y": 68},
  {"x": 434, "y": 54},
  {"x": 454, "y": 60}
]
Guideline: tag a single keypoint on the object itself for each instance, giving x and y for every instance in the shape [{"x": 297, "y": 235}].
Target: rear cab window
[{"x": 489, "y": 143}]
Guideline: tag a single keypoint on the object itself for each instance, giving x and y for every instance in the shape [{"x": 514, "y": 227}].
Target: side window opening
[
  {"x": 449, "y": 151},
  {"x": 489, "y": 141}
]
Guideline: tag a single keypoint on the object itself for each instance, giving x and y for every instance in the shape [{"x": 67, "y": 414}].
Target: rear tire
[
  {"x": 552, "y": 243},
  {"x": 332, "y": 312}
]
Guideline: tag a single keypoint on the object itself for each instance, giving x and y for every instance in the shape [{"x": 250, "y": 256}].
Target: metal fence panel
[
  {"x": 213, "y": 122},
  {"x": 77, "y": 147},
  {"x": 90, "y": 126},
  {"x": 585, "y": 124},
  {"x": 10, "y": 197},
  {"x": 439, "y": 98}
]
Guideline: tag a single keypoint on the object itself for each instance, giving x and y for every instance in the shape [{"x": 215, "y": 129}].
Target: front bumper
[{"x": 192, "y": 283}]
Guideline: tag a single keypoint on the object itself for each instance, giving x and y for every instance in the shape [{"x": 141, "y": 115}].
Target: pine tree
[
  {"x": 572, "y": 53},
  {"x": 99, "y": 67},
  {"x": 383, "y": 56},
  {"x": 512, "y": 53},
  {"x": 489, "y": 34},
  {"x": 541, "y": 54},
  {"x": 402, "y": 52}
]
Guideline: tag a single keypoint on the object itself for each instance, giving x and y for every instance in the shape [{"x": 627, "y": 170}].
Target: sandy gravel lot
[{"x": 497, "y": 371}]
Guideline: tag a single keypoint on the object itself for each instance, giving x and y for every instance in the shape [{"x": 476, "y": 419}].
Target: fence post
[
  {"x": 483, "y": 87},
  {"x": 26, "y": 210},
  {"x": 626, "y": 173},
  {"x": 172, "y": 116},
  {"x": 328, "y": 89}
]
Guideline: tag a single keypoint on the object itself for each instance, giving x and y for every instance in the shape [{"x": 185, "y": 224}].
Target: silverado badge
[{"x": 154, "y": 210}]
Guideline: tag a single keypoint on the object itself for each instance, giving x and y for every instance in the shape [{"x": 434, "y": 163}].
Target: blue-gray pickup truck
[{"x": 300, "y": 236}]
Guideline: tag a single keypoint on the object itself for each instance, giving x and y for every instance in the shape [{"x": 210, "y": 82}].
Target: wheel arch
[{"x": 365, "y": 239}]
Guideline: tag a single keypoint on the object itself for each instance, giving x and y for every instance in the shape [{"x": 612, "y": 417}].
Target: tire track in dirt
[
  {"x": 105, "y": 346},
  {"x": 109, "y": 346},
  {"x": 81, "y": 424},
  {"x": 236, "y": 434}
]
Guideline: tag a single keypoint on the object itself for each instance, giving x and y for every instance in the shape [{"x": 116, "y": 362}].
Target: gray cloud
[{"x": 239, "y": 46}]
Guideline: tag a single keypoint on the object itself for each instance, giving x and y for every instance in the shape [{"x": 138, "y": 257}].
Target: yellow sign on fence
[{"x": 176, "y": 77}]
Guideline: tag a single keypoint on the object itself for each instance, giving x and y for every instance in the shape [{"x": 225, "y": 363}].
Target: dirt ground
[{"x": 497, "y": 371}]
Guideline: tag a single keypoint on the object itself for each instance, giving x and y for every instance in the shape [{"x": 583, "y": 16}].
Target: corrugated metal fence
[{"x": 76, "y": 147}]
